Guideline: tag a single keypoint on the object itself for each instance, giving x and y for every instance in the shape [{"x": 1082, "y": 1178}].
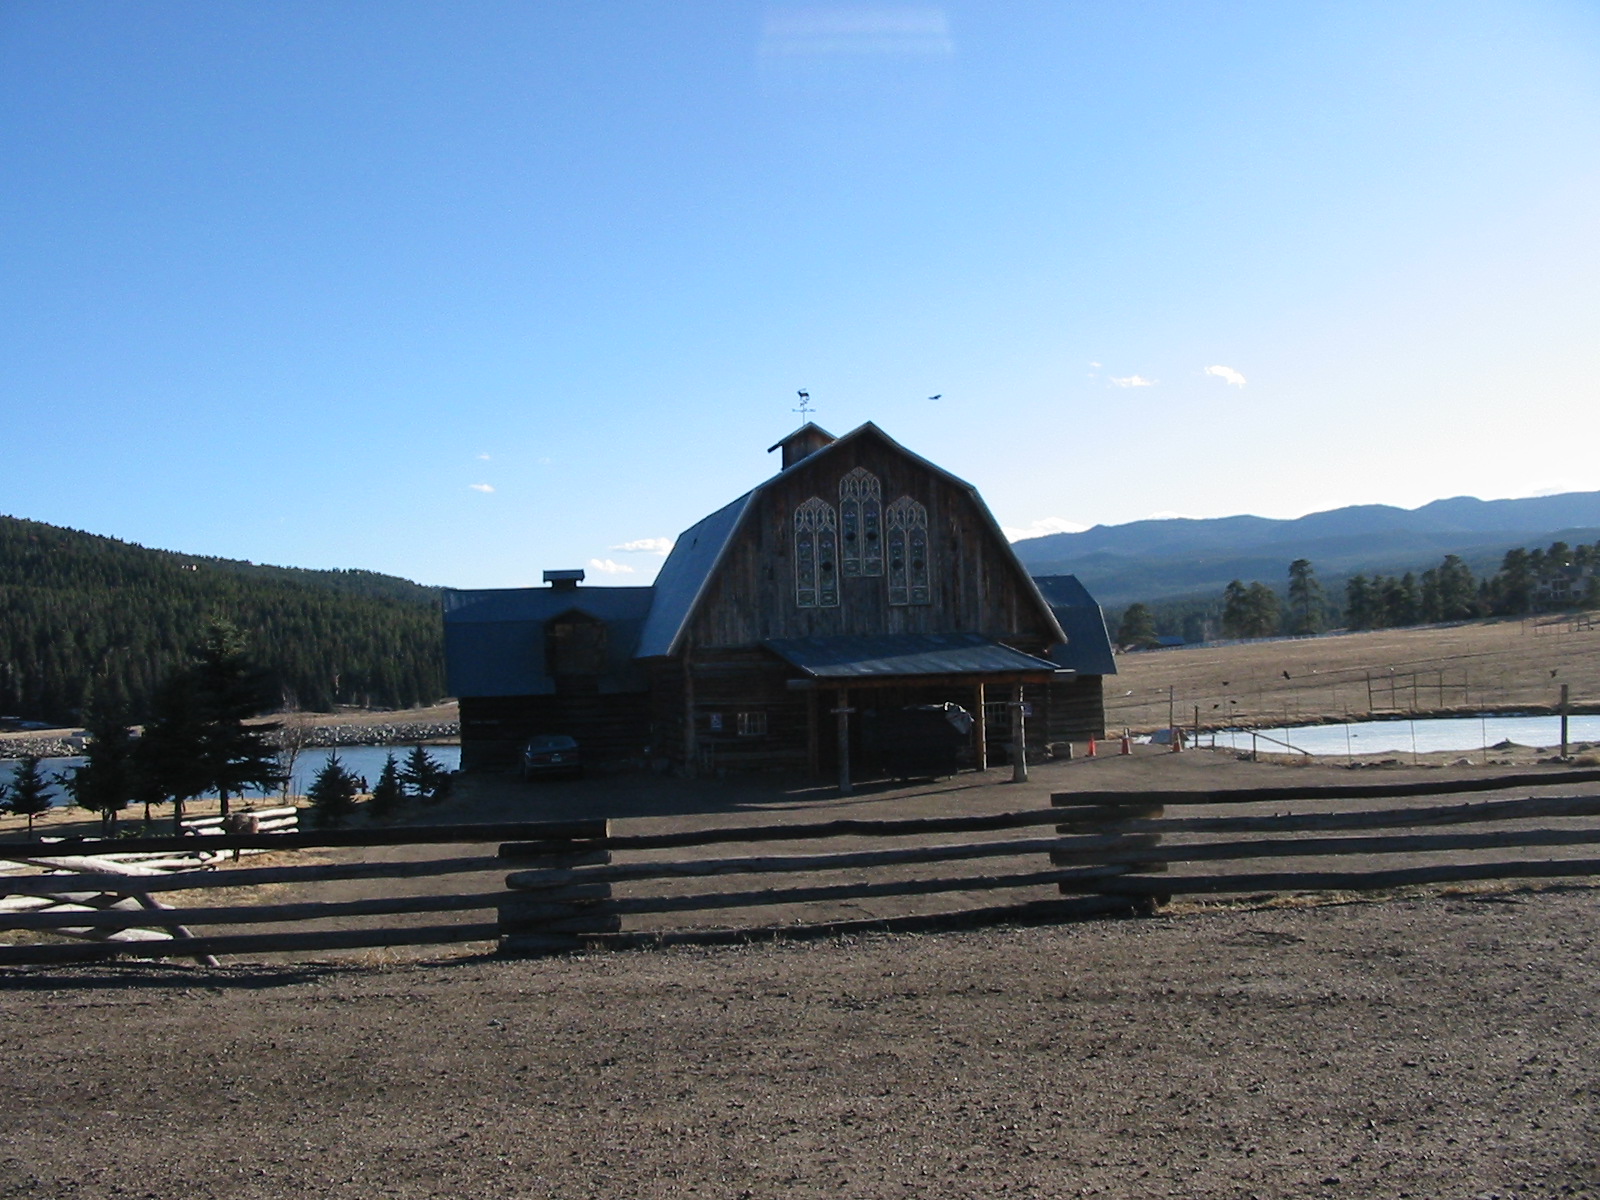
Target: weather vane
[{"x": 805, "y": 409}]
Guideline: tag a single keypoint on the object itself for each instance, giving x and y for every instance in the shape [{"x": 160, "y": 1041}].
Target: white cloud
[
  {"x": 483, "y": 457},
  {"x": 1126, "y": 381},
  {"x": 1041, "y": 527},
  {"x": 606, "y": 567},
  {"x": 645, "y": 546},
  {"x": 1228, "y": 374},
  {"x": 1094, "y": 364},
  {"x": 481, "y": 487}
]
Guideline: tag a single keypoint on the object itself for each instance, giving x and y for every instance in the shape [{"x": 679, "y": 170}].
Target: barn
[{"x": 859, "y": 602}]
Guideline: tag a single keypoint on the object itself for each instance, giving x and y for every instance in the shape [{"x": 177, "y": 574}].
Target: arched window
[
  {"x": 907, "y": 523},
  {"x": 816, "y": 555},
  {"x": 861, "y": 523}
]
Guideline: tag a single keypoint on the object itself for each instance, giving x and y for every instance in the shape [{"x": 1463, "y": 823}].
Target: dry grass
[{"x": 1486, "y": 664}]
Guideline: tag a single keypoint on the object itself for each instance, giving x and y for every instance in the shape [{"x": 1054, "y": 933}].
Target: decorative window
[
  {"x": 908, "y": 552},
  {"x": 816, "y": 555},
  {"x": 752, "y": 724},
  {"x": 861, "y": 523}
]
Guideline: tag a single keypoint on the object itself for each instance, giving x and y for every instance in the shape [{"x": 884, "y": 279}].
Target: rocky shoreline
[{"x": 58, "y": 743}]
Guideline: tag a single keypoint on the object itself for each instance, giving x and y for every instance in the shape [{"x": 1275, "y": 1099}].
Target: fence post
[
  {"x": 551, "y": 907},
  {"x": 1108, "y": 820}
]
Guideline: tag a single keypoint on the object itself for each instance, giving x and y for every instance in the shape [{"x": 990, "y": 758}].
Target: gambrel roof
[{"x": 694, "y": 558}]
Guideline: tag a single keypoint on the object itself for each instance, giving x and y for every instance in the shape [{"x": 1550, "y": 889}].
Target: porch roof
[{"x": 867, "y": 658}]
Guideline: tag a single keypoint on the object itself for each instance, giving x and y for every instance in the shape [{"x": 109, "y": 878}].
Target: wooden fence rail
[{"x": 565, "y": 887}]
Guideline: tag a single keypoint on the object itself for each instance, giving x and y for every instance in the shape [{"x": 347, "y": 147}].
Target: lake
[{"x": 366, "y": 761}]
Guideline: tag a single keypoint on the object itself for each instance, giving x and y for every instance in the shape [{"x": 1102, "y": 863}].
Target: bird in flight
[{"x": 940, "y": 396}]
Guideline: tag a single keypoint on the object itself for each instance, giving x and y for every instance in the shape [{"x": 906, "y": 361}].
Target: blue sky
[{"x": 465, "y": 291}]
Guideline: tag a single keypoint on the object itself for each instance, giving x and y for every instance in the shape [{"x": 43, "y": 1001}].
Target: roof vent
[
  {"x": 805, "y": 441},
  {"x": 564, "y": 581}
]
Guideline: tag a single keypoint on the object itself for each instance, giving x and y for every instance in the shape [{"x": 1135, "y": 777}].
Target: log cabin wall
[
  {"x": 975, "y": 582},
  {"x": 609, "y": 727}
]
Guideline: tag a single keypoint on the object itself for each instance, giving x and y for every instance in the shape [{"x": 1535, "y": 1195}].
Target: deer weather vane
[{"x": 805, "y": 409}]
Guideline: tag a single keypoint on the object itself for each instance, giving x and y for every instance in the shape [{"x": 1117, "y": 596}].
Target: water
[
  {"x": 1456, "y": 734},
  {"x": 366, "y": 761}
]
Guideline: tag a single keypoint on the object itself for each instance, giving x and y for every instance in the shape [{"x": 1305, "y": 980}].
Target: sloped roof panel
[
  {"x": 494, "y": 638},
  {"x": 1088, "y": 647},
  {"x": 896, "y": 655},
  {"x": 684, "y": 576}
]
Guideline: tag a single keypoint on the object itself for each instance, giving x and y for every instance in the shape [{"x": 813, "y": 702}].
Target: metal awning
[{"x": 856, "y": 659}]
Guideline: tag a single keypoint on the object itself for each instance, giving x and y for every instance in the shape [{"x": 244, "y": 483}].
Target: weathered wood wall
[{"x": 977, "y": 584}]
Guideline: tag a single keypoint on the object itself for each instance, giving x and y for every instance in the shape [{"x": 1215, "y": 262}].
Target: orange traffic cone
[{"x": 1092, "y": 751}]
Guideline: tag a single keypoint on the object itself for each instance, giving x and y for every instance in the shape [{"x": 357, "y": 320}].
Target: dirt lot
[
  {"x": 1497, "y": 664},
  {"x": 1434, "y": 1046},
  {"x": 1444, "y": 1048}
]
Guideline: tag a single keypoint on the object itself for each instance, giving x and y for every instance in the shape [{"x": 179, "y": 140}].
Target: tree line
[
  {"x": 197, "y": 742},
  {"x": 1528, "y": 580},
  {"x": 88, "y": 620}
]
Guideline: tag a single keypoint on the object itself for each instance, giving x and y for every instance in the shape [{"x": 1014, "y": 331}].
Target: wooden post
[
  {"x": 813, "y": 735},
  {"x": 691, "y": 747},
  {"x": 842, "y": 713},
  {"x": 980, "y": 727},
  {"x": 1564, "y": 720},
  {"x": 1019, "y": 738}
]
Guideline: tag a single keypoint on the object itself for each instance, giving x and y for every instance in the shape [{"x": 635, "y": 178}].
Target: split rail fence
[{"x": 563, "y": 886}]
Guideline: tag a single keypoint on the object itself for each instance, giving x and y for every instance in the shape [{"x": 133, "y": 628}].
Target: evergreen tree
[
  {"x": 229, "y": 689},
  {"x": 332, "y": 793},
  {"x": 424, "y": 778},
  {"x": 1235, "y": 610},
  {"x": 1138, "y": 627},
  {"x": 387, "y": 794},
  {"x": 1359, "y": 610},
  {"x": 106, "y": 783},
  {"x": 1458, "y": 600},
  {"x": 1262, "y": 605},
  {"x": 167, "y": 755},
  {"x": 1514, "y": 585},
  {"x": 29, "y": 794},
  {"x": 1305, "y": 597}
]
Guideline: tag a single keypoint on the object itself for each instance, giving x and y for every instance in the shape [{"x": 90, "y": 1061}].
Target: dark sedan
[{"x": 551, "y": 755}]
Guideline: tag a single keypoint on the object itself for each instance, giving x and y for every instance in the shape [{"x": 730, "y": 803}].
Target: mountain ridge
[{"x": 1181, "y": 556}]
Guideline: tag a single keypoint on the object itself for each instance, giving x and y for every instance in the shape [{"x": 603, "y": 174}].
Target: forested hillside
[{"x": 80, "y": 612}]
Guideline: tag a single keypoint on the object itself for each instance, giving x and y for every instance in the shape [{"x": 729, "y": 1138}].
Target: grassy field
[{"x": 1438, "y": 668}]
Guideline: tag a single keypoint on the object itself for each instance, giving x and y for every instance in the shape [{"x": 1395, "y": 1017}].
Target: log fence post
[
  {"x": 551, "y": 907},
  {"x": 1109, "y": 818}
]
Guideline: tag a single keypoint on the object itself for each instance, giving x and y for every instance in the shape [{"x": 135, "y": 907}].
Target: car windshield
[{"x": 552, "y": 743}]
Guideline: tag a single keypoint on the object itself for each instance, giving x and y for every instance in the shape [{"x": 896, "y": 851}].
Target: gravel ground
[{"x": 1439, "y": 1047}]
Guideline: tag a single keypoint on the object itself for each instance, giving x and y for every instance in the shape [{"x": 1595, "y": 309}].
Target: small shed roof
[
  {"x": 1088, "y": 647},
  {"x": 854, "y": 657}
]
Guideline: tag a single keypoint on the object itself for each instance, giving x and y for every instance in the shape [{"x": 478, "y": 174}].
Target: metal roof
[
  {"x": 892, "y": 655},
  {"x": 684, "y": 575},
  {"x": 494, "y": 637},
  {"x": 1088, "y": 647}
]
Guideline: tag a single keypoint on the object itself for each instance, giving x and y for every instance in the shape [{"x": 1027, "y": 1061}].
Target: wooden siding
[{"x": 977, "y": 584}]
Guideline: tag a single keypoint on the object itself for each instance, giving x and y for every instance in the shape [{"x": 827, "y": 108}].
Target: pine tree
[
  {"x": 106, "y": 782},
  {"x": 424, "y": 778},
  {"x": 1138, "y": 627},
  {"x": 1305, "y": 597},
  {"x": 229, "y": 688},
  {"x": 387, "y": 794},
  {"x": 332, "y": 793},
  {"x": 29, "y": 794}
]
